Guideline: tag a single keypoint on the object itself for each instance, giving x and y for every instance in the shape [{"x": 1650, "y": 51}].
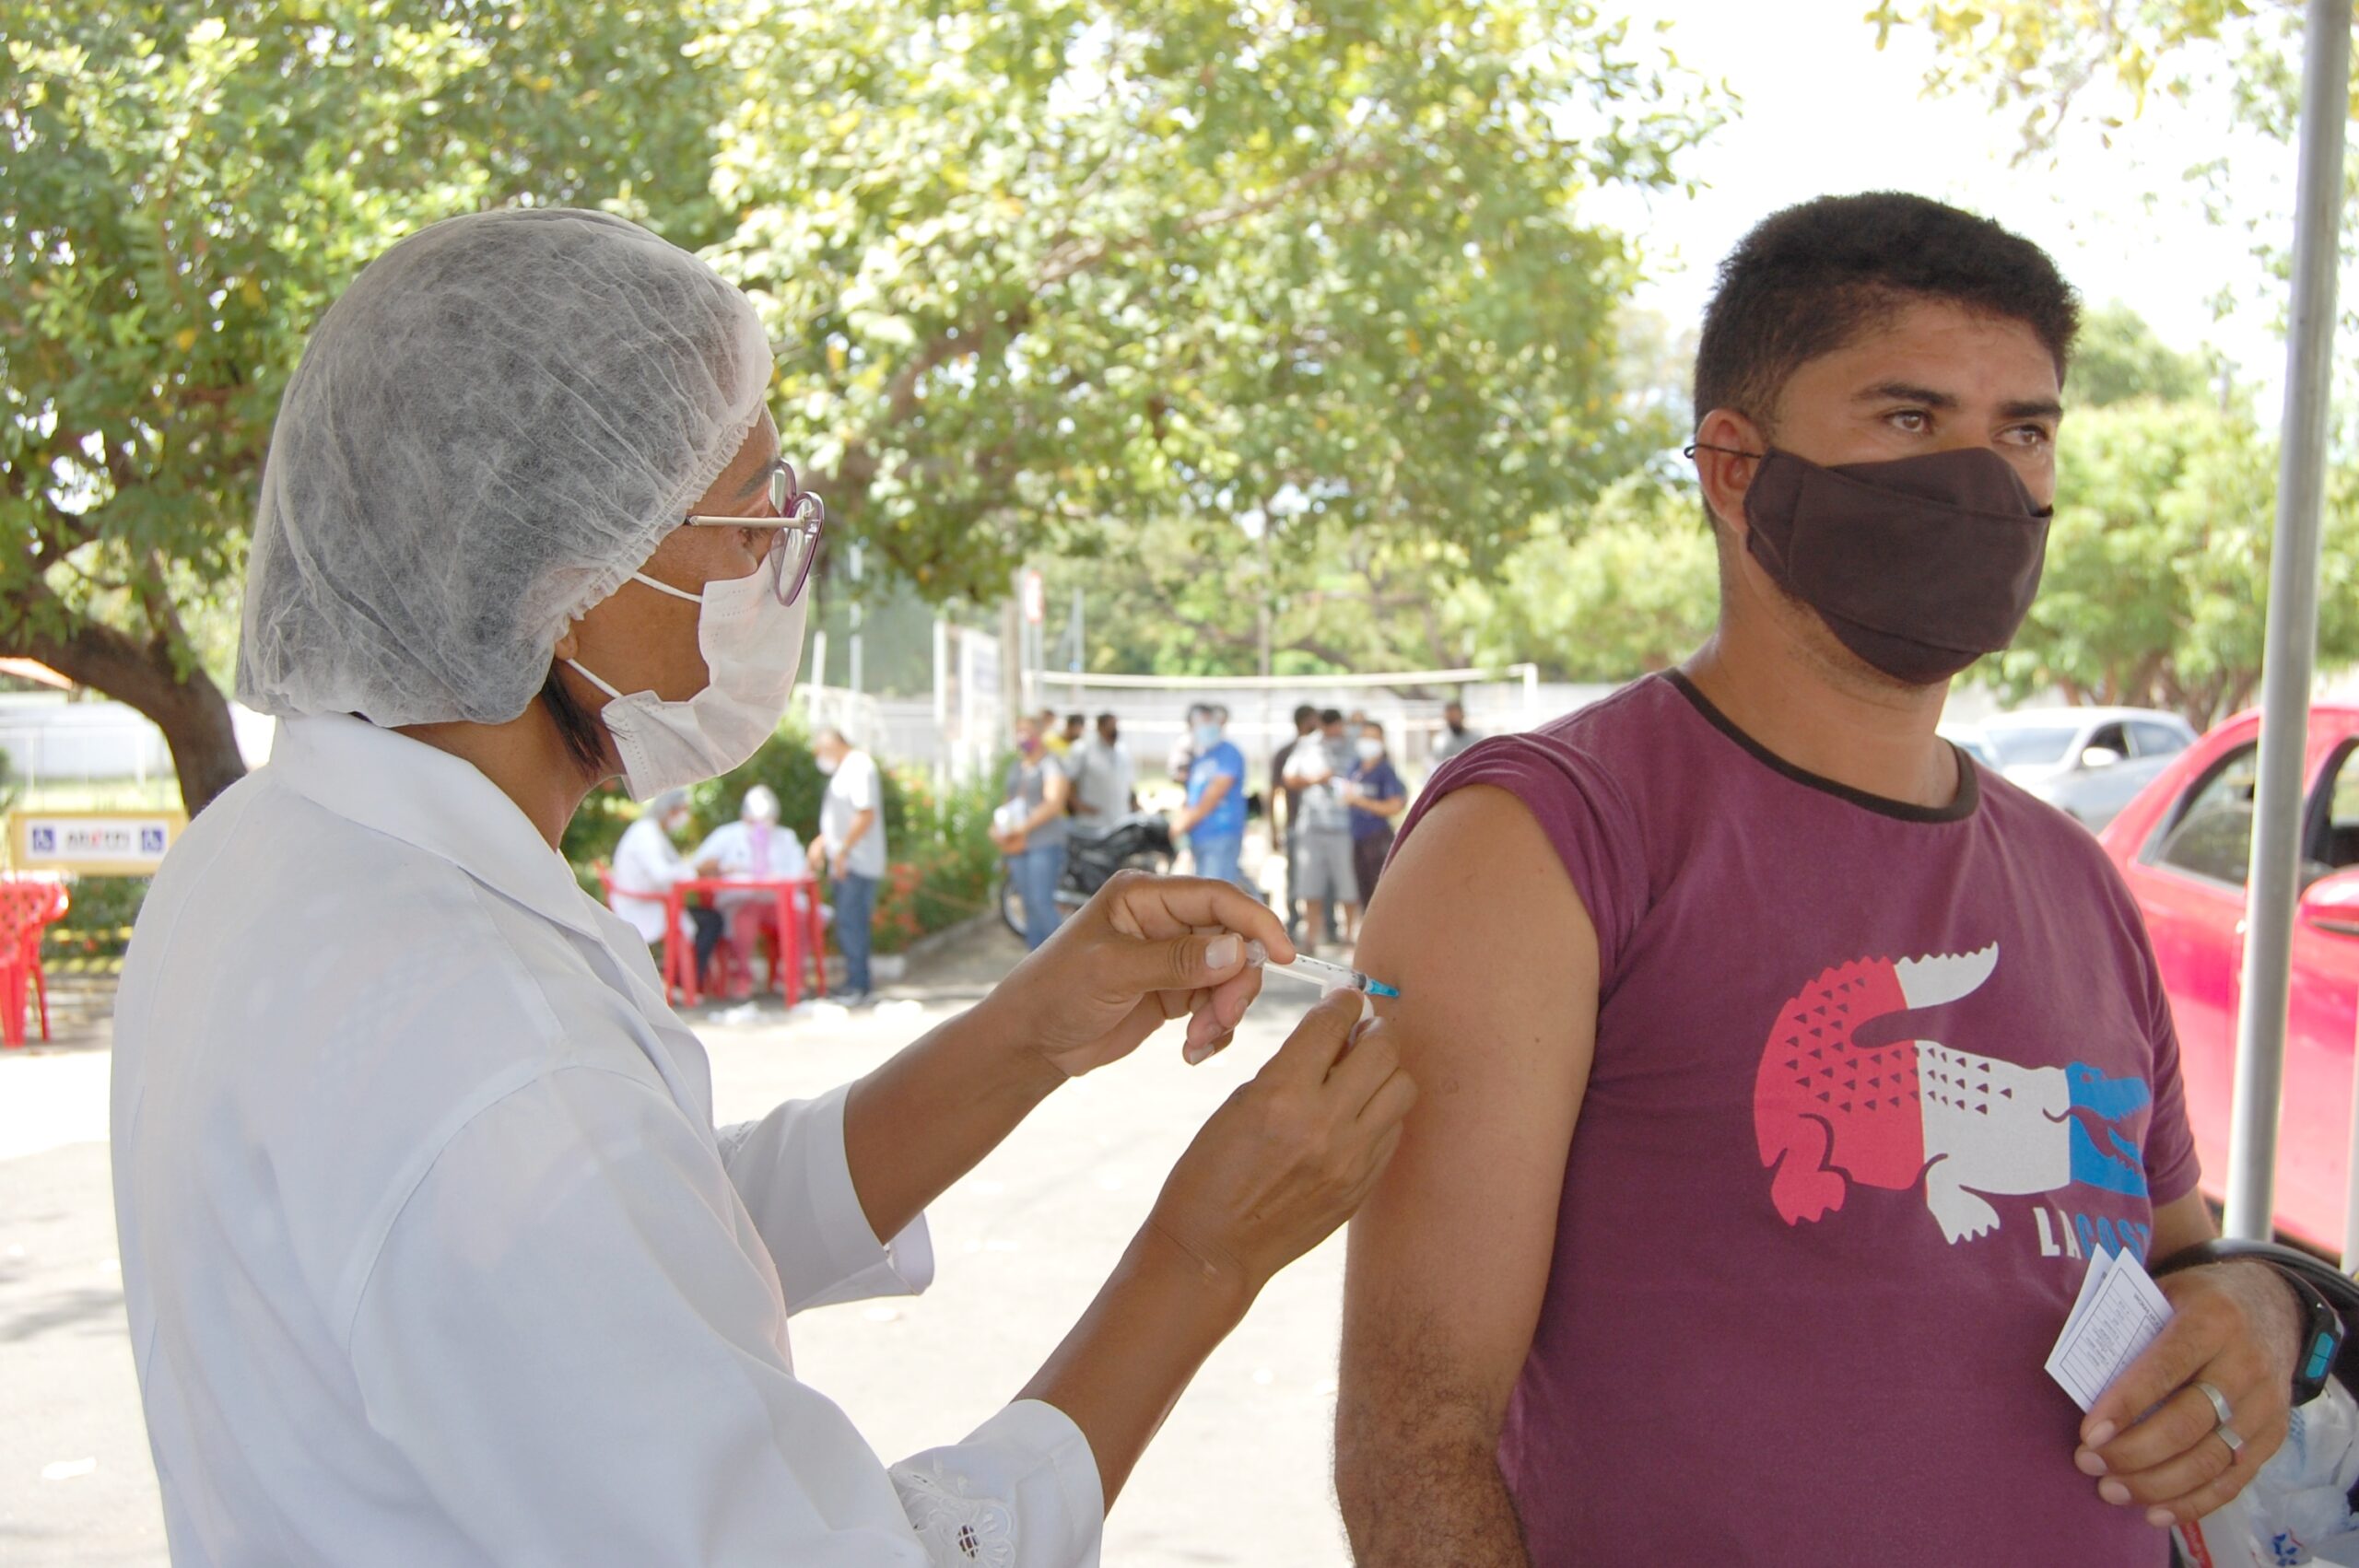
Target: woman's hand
[
  {"x": 1292, "y": 1153},
  {"x": 1145, "y": 950}
]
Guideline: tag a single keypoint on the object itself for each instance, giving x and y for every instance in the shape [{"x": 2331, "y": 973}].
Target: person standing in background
[
  {"x": 1322, "y": 838},
  {"x": 1214, "y": 818},
  {"x": 1029, "y": 828},
  {"x": 1182, "y": 756},
  {"x": 1374, "y": 792},
  {"x": 1076, "y": 735},
  {"x": 1105, "y": 784},
  {"x": 648, "y": 865},
  {"x": 1455, "y": 736},
  {"x": 1289, "y": 796},
  {"x": 754, "y": 847},
  {"x": 851, "y": 844},
  {"x": 1056, "y": 741}
]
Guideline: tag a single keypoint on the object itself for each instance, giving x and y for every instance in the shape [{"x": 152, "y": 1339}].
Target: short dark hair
[
  {"x": 1109, "y": 718},
  {"x": 1371, "y": 724},
  {"x": 1331, "y": 715},
  {"x": 1811, "y": 278},
  {"x": 1076, "y": 719},
  {"x": 1305, "y": 714},
  {"x": 583, "y": 736}
]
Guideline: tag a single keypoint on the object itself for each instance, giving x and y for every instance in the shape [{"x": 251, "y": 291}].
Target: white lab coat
[
  {"x": 646, "y": 862},
  {"x": 431, "y": 1251}
]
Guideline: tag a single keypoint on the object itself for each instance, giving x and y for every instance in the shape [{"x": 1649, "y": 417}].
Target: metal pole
[
  {"x": 858, "y": 673},
  {"x": 942, "y": 741},
  {"x": 2292, "y": 645}
]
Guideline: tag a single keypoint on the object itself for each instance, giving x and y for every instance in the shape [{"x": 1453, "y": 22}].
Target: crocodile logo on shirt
[{"x": 1830, "y": 1110}]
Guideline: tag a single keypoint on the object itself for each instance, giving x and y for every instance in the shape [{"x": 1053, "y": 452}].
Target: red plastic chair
[{"x": 27, "y": 908}]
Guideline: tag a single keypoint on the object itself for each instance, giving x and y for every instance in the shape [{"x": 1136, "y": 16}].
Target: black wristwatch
[{"x": 2321, "y": 1338}]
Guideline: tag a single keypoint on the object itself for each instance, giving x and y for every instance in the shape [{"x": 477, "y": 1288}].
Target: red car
[{"x": 2183, "y": 847}]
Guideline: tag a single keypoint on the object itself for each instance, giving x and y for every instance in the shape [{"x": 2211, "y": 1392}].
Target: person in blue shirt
[
  {"x": 1214, "y": 818},
  {"x": 1376, "y": 795}
]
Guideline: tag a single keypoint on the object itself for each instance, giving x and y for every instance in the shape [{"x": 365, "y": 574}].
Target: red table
[{"x": 794, "y": 938}]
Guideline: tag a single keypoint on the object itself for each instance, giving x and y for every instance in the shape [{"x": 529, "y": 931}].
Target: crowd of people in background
[
  {"x": 1333, "y": 798},
  {"x": 1335, "y": 795}
]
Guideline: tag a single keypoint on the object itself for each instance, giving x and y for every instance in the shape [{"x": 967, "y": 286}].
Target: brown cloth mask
[{"x": 1920, "y": 566}]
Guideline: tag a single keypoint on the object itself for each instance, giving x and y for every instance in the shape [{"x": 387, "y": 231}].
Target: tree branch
[{"x": 1077, "y": 256}]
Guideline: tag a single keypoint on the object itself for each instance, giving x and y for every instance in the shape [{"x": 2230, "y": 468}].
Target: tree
[
  {"x": 1061, "y": 276},
  {"x": 1633, "y": 587},
  {"x": 1043, "y": 272},
  {"x": 2102, "y": 62},
  {"x": 2117, "y": 358},
  {"x": 2049, "y": 57},
  {"x": 184, "y": 184},
  {"x": 2158, "y": 564}
]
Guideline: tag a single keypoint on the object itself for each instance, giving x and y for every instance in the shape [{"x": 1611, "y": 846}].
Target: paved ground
[{"x": 1239, "y": 1476}]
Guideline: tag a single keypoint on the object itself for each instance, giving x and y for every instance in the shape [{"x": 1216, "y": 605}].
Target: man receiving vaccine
[{"x": 1784, "y": 1068}]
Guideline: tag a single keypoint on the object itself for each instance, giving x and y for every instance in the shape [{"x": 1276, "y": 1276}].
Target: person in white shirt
[
  {"x": 1106, "y": 786},
  {"x": 648, "y": 865},
  {"x": 851, "y": 840},
  {"x": 757, "y": 847},
  {"x": 431, "y": 1250}
]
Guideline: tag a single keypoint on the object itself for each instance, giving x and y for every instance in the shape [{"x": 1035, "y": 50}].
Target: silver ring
[
  {"x": 2219, "y": 1403},
  {"x": 2228, "y": 1435}
]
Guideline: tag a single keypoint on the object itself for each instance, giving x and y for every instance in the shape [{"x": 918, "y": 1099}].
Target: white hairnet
[
  {"x": 664, "y": 804},
  {"x": 759, "y": 805},
  {"x": 489, "y": 431}
]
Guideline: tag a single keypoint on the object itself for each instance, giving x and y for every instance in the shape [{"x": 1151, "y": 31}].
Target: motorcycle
[{"x": 1140, "y": 841}]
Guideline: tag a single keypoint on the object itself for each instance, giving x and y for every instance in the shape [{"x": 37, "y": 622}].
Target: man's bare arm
[{"x": 1479, "y": 926}]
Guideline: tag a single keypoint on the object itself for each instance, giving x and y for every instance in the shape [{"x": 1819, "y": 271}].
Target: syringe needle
[{"x": 1318, "y": 972}]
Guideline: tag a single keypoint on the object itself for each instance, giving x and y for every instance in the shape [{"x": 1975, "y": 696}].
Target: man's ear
[
  {"x": 1728, "y": 448},
  {"x": 569, "y": 646}
]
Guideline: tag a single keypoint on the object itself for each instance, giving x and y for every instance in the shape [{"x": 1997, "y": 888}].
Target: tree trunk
[{"x": 193, "y": 713}]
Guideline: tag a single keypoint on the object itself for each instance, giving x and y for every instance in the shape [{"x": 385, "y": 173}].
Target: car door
[
  {"x": 2189, "y": 880},
  {"x": 2095, "y": 794},
  {"x": 2152, "y": 748},
  {"x": 2314, "y": 1129}
]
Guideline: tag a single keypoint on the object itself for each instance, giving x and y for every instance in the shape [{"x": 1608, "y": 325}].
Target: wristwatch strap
[{"x": 2321, "y": 1338}]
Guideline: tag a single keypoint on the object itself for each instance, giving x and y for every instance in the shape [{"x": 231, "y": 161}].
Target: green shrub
[{"x": 98, "y": 908}]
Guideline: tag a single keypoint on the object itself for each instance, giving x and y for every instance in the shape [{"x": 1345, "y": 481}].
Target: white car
[{"x": 2087, "y": 762}]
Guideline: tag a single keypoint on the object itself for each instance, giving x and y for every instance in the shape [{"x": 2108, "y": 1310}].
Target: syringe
[{"x": 1316, "y": 972}]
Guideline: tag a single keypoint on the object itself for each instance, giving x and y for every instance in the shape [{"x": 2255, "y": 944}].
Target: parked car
[
  {"x": 2087, "y": 762},
  {"x": 2183, "y": 847}
]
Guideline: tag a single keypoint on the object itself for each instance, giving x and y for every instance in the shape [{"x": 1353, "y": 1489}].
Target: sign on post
[{"x": 94, "y": 843}]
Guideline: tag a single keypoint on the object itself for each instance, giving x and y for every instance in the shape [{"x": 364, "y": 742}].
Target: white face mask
[
  {"x": 752, "y": 646},
  {"x": 1369, "y": 750},
  {"x": 826, "y": 763}
]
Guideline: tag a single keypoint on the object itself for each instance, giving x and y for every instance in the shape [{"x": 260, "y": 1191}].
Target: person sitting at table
[
  {"x": 756, "y": 848},
  {"x": 648, "y": 866}
]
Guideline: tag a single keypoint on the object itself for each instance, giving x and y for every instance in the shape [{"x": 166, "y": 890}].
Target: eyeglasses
[{"x": 796, "y": 518}]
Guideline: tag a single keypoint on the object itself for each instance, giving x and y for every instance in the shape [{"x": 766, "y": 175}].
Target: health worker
[{"x": 432, "y": 1250}]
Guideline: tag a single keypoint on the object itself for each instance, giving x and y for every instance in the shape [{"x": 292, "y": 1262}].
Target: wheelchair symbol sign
[
  {"x": 44, "y": 840},
  {"x": 152, "y": 840}
]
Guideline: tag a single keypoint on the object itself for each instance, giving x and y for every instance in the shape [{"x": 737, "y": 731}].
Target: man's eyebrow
[
  {"x": 2032, "y": 408},
  {"x": 1905, "y": 392}
]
